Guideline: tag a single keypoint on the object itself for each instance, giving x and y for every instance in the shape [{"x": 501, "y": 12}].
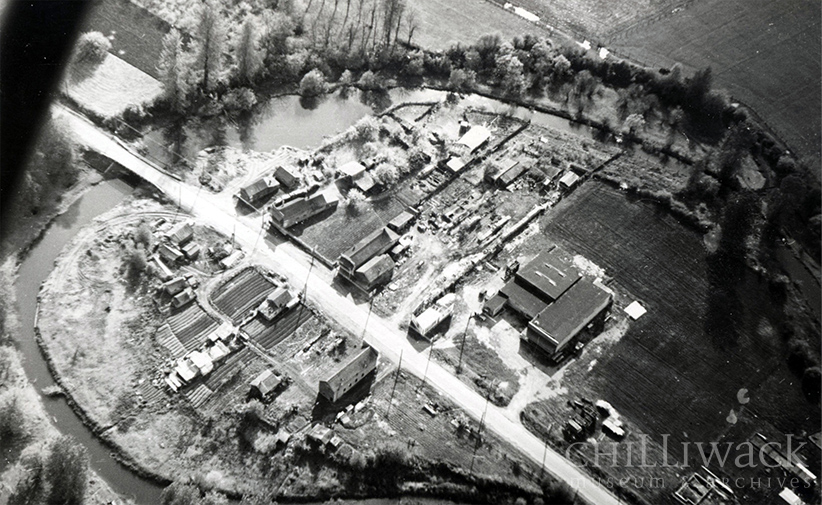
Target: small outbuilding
[
  {"x": 259, "y": 190},
  {"x": 494, "y": 305},
  {"x": 180, "y": 233},
  {"x": 169, "y": 253},
  {"x": 183, "y": 298},
  {"x": 402, "y": 222},
  {"x": 352, "y": 170},
  {"x": 191, "y": 250},
  {"x": 175, "y": 285},
  {"x": 265, "y": 384},
  {"x": 475, "y": 138},
  {"x": 569, "y": 180}
]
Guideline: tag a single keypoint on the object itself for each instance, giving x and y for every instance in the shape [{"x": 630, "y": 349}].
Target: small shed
[
  {"x": 402, "y": 222},
  {"x": 163, "y": 272},
  {"x": 170, "y": 253},
  {"x": 218, "y": 351},
  {"x": 183, "y": 298},
  {"x": 425, "y": 323},
  {"x": 232, "y": 259},
  {"x": 569, "y": 180},
  {"x": 288, "y": 176},
  {"x": 265, "y": 384},
  {"x": 259, "y": 190},
  {"x": 191, "y": 250},
  {"x": 455, "y": 164}
]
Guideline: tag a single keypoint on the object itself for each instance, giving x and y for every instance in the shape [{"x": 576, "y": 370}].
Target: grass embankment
[{"x": 26, "y": 431}]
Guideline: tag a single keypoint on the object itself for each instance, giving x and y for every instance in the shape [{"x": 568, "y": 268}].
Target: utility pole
[
  {"x": 425, "y": 374},
  {"x": 544, "y": 453},
  {"x": 262, "y": 230},
  {"x": 305, "y": 288},
  {"x": 464, "y": 338},
  {"x": 479, "y": 434},
  {"x": 394, "y": 388}
]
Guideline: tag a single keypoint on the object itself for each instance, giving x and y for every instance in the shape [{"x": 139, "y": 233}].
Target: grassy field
[
  {"x": 112, "y": 87},
  {"x": 138, "y": 34},
  {"x": 764, "y": 53}
]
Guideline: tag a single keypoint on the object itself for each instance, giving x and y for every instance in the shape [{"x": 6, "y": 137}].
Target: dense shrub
[
  {"x": 313, "y": 83},
  {"x": 92, "y": 49},
  {"x": 66, "y": 468},
  {"x": 12, "y": 421}
]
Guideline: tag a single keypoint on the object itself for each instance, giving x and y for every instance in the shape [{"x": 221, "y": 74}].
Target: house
[
  {"x": 186, "y": 370},
  {"x": 375, "y": 272},
  {"x": 475, "y": 138},
  {"x": 349, "y": 374},
  {"x": 320, "y": 434},
  {"x": 288, "y": 176},
  {"x": 175, "y": 285},
  {"x": 583, "y": 306},
  {"x": 180, "y": 233},
  {"x": 401, "y": 222},
  {"x": 351, "y": 170},
  {"x": 375, "y": 244},
  {"x": 569, "y": 180},
  {"x": 298, "y": 210},
  {"x": 169, "y": 253},
  {"x": 183, "y": 298},
  {"x": 365, "y": 183},
  {"x": 191, "y": 250},
  {"x": 276, "y": 302},
  {"x": 259, "y": 190},
  {"x": 264, "y": 384}
]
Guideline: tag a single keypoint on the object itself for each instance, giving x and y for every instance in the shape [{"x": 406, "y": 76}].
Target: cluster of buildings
[
  {"x": 558, "y": 302},
  {"x": 199, "y": 363}
]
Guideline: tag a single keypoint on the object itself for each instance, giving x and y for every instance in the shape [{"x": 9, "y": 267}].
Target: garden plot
[
  {"x": 191, "y": 326},
  {"x": 243, "y": 292},
  {"x": 267, "y": 334}
]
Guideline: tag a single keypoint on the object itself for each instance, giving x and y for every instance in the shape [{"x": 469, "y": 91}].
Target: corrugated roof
[
  {"x": 549, "y": 274},
  {"x": 564, "y": 318},
  {"x": 376, "y": 243}
]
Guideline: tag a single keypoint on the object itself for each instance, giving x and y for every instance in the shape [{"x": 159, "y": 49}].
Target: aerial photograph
[{"x": 411, "y": 252}]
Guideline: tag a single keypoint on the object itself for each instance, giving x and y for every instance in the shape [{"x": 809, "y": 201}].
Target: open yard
[{"x": 765, "y": 53}]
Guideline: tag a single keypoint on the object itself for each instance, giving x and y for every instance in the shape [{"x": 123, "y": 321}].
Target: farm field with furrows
[
  {"x": 765, "y": 53},
  {"x": 191, "y": 325},
  {"x": 268, "y": 334},
  {"x": 673, "y": 361},
  {"x": 241, "y": 293}
]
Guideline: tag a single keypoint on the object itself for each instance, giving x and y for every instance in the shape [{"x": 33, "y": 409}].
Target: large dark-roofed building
[
  {"x": 522, "y": 300},
  {"x": 562, "y": 320},
  {"x": 378, "y": 242},
  {"x": 549, "y": 275}
]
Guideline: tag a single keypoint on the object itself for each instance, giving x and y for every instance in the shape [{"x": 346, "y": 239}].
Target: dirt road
[{"x": 218, "y": 211}]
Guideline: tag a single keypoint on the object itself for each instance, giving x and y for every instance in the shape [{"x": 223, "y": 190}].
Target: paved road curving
[{"x": 218, "y": 211}]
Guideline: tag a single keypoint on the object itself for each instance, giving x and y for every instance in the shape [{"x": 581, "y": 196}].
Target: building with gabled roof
[
  {"x": 378, "y": 242},
  {"x": 169, "y": 253},
  {"x": 352, "y": 169},
  {"x": 298, "y": 210},
  {"x": 288, "y": 176},
  {"x": 348, "y": 375},
  {"x": 375, "y": 272},
  {"x": 180, "y": 233},
  {"x": 401, "y": 222},
  {"x": 259, "y": 190},
  {"x": 569, "y": 180},
  {"x": 561, "y": 321},
  {"x": 265, "y": 383},
  {"x": 475, "y": 138}
]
